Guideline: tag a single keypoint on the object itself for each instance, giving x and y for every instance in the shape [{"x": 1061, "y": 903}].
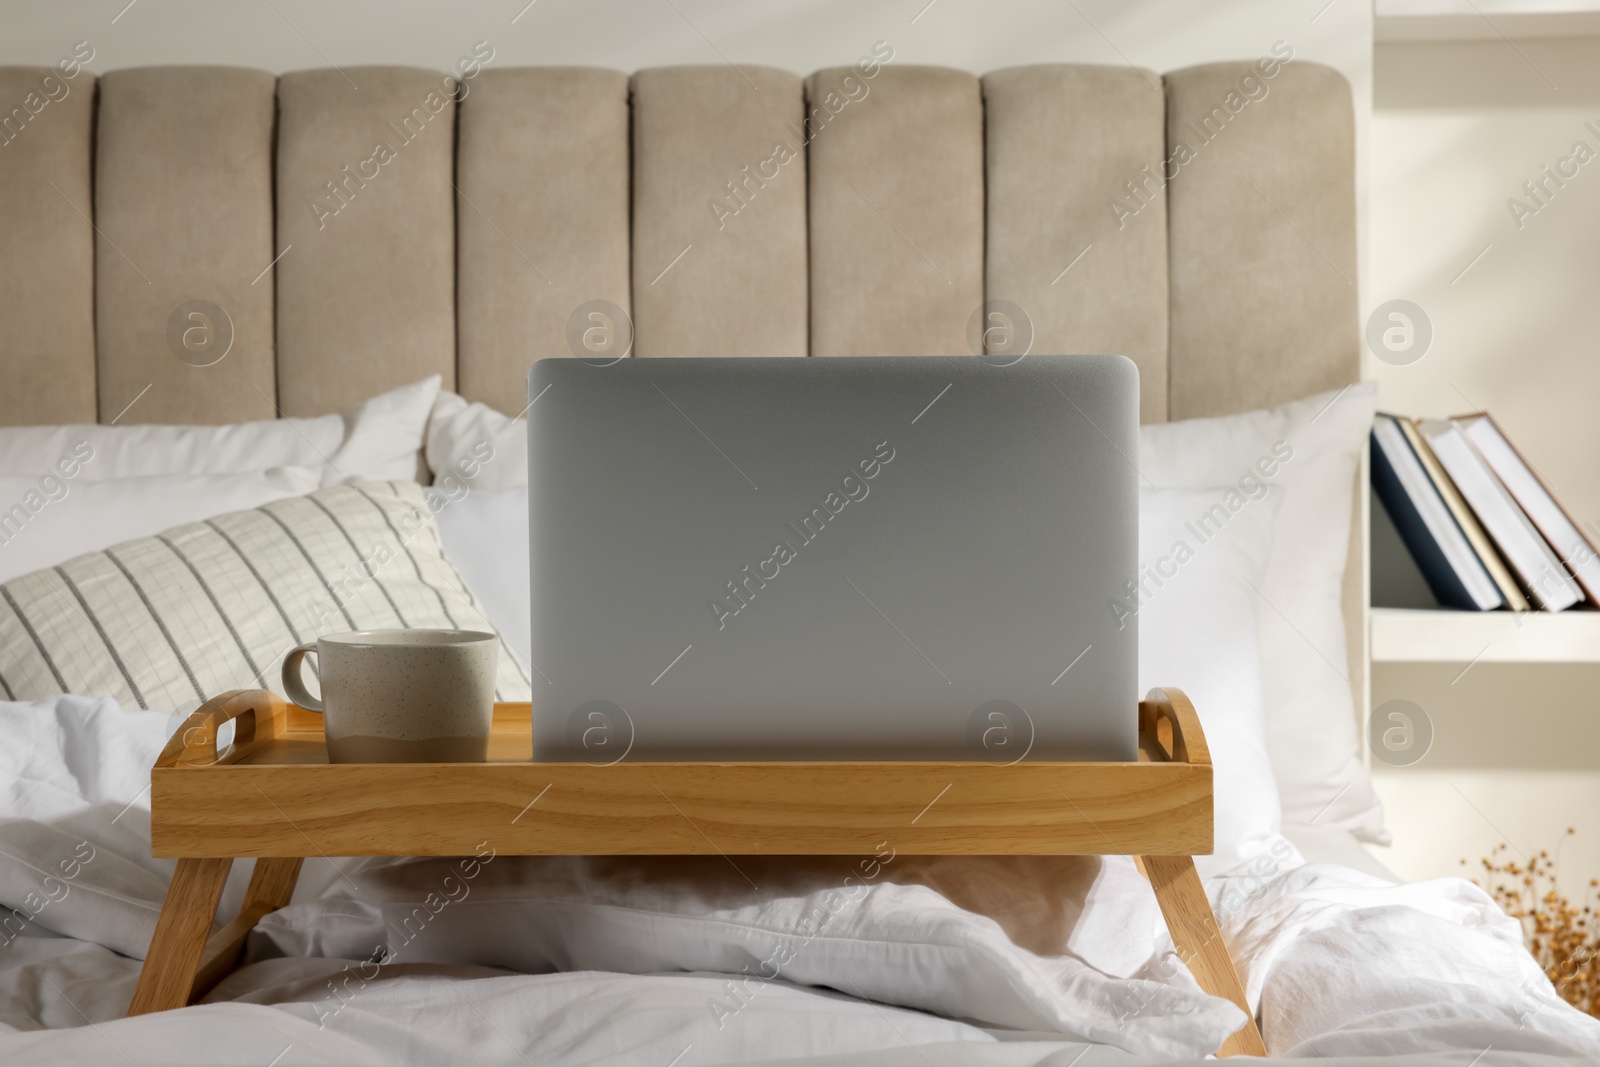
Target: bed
[{"x": 337, "y": 280}]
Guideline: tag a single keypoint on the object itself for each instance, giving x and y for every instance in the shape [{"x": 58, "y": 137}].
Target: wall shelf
[{"x": 1403, "y": 635}]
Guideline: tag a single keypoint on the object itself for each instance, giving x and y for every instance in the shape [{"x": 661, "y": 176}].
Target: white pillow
[
  {"x": 486, "y": 536},
  {"x": 1197, "y": 632},
  {"x": 109, "y": 452},
  {"x": 49, "y": 519},
  {"x": 379, "y": 440},
  {"x": 383, "y": 437},
  {"x": 1313, "y": 447},
  {"x": 475, "y": 443}
]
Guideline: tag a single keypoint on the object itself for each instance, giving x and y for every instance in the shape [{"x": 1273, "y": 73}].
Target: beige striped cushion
[{"x": 164, "y": 621}]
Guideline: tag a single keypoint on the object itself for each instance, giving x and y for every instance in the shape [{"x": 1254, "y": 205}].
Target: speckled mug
[{"x": 401, "y": 696}]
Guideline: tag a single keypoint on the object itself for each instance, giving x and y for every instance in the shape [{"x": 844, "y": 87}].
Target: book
[
  {"x": 1395, "y": 580},
  {"x": 1575, "y": 550},
  {"x": 1464, "y": 518},
  {"x": 1446, "y": 558},
  {"x": 1547, "y": 583}
]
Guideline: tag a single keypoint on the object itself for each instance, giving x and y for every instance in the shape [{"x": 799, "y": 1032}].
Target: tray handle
[
  {"x": 259, "y": 716},
  {"x": 1169, "y": 726}
]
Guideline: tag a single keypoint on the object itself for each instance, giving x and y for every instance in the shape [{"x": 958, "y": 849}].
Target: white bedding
[{"x": 1342, "y": 964}]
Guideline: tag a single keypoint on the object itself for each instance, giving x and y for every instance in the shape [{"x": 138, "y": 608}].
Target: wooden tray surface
[{"x": 273, "y": 793}]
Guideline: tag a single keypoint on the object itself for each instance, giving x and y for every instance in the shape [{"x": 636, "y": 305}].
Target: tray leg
[
  {"x": 271, "y": 886},
  {"x": 169, "y": 966},
  {"x": 1199, "y": 942}
]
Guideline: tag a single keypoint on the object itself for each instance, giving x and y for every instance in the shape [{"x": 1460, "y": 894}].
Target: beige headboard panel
[
  {"x": 183, "y": 202},
  {"x": 542, "y": 220},
  {"x": 366, "y": 295},
  {"x": 1090, "y": 280},
  {"x": 728, "y": 211},
  {"x": 729, "y": 282},
  {"x": 47, "y": 250},
  {"x": 896, "y": 212},
  {"x": 1262, "y": 236}
]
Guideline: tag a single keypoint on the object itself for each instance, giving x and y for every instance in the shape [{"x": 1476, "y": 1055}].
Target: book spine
[
  {"x": 1573, "y": 545},
  {"x": 1523, "y": 547},
  {"x": 1448, "y": 587},
  {"x": 1464, "y": 517}
]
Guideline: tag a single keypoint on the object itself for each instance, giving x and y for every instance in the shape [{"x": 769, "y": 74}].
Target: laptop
[{"x": 881, "y": 558}]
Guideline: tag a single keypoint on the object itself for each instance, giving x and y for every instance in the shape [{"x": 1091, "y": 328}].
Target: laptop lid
[{"x": 897, "y": 558}]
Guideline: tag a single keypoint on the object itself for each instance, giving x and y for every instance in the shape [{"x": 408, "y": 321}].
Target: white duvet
[{"x": 674, "y": 963}]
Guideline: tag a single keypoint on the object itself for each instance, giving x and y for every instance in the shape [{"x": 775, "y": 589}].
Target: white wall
[{"x": 1457, "y": 129}]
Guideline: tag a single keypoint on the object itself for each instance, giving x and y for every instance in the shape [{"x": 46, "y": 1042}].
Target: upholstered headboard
[{"x": 363, "y": 228}]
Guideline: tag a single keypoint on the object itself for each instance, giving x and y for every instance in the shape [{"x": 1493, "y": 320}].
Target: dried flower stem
[{"x": 1561, "y": 935}]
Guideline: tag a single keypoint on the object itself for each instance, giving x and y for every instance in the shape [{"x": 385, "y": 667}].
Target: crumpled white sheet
[
  {"x": 1340, "y": 963},
  {"x": 998, "y": 941}
]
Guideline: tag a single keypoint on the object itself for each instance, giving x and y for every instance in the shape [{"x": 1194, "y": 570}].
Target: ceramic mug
[{"x": 401, "y": 696}]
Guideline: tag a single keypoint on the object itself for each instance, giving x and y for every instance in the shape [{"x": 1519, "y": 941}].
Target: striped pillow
[{"x": 162, "y": 622}]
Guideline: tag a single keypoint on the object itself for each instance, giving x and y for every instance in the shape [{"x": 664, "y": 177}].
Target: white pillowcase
[
  {"x": 486, "y": 536},
  {"x": 1310, "y": 725},
  {"x": 49, "y": 519},
  {"x": 142, "y": 451},
  {"x": 1198, "y": 561},
  {"x": 384, "y": 436},
  {"x": 472, "y": 442},
  {"x": 378, "y": 441}
]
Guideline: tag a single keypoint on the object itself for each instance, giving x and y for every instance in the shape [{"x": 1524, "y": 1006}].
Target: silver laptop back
[{"x": 833, "y": 558}]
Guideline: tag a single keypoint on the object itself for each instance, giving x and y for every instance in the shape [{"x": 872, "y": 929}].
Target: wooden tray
[{"x": 272, "y": 794}]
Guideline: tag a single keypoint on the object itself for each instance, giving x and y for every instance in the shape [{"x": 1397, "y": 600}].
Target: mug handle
[{"x": 292, "y": 679}]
